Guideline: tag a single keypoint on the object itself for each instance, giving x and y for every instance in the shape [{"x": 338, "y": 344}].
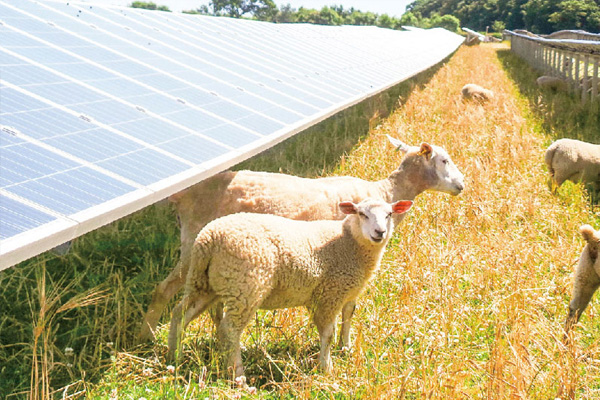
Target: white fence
[{"x": 576, "y": 61}]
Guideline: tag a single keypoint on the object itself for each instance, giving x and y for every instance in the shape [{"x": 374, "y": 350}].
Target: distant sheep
[
  {"x": 472, "y": 40},
  {"x": 574, "y": 160},
  {"x": 258, "y": 261},
  {"x": 587, "y": 276},
  {"x": 472, "y": 91},
  {"x": 552, "y": 82},
  {"x": 423, "y": 167}
]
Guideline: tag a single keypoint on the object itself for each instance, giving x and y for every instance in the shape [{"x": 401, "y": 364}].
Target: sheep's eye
[
  {"x": 360, "y": 214},
  {"x": 445, "y": 161},
  {"x": 389, "y": 215}
]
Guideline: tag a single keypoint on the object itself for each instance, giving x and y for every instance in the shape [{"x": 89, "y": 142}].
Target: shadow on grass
[
  {"x": 563, "y": 115},
  {"x": 126, "y": 259}
]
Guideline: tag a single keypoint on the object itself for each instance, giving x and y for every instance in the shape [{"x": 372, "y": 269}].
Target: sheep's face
[
  {"x": 448, "y": 178},
  {"x": 374, "y": 217},
  {"x": 435, "y": 170}
]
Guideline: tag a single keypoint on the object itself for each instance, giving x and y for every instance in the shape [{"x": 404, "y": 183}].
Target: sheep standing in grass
[
  {"x": 424, "y": 167},
  {"x": 258, "y": 261},
  {"x": 587, "y": 276},
  {"x": 552, "y": 82},
  {"x": 574, "y": 160},
  {"x": 472, "y": 91}
]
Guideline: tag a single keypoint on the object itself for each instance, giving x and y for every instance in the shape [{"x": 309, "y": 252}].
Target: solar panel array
[{"x": 106, "y": 110}]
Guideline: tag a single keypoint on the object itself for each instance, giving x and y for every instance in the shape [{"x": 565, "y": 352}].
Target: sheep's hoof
[
  {"x": 145, "y": 337},
  {"x": 344, "y": 349},
  {"x": 146, "y": 334}
]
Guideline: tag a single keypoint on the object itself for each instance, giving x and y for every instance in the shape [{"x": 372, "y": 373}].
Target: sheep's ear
[
  {"x": 348, "y": 207},
  {"x": 402, "y": 206},
  {"x": 589, "y": 233},
  {"x": 591, "y": 236},
  {"x": 426, "y": 150},
  {"x": 400, "y": 146}
]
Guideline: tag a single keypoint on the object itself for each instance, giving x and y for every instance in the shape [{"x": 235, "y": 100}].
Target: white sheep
[
  {"x": 574, "y": 160},
  {"x": 552, "y": 82},
  {"x": 476, "y": 92},
  {"x": 250, "y": 261},
  {"x": 587, "y": 276},
  {"x": 424, "y": 167}
]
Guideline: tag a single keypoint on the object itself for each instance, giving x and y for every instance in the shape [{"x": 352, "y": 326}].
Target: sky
[{"x": 390, "y": 7}]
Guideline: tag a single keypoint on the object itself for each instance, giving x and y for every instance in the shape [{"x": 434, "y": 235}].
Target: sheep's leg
[
  {"x": 188, "y": 308},
  {"x": 161, "y": 296},
  {"x": 325, "y": 321},
  {"x": 552, "y": 185},
  {"x": 229, "y": 332},
  {"x": 586, "y": 283},
  {"x": 216, "y": 314},
  {"x": 347, "y": 313}
]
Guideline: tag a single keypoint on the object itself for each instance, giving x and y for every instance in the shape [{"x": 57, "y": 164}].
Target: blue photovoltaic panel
[
  {"x": 106, "y": 110},
  {"x": 18, "y": 218}
]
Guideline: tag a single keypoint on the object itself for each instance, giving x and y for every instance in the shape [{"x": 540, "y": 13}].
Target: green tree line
[
  {"x": 267, "y": 10},
  {"x": 538, "y": 16}
]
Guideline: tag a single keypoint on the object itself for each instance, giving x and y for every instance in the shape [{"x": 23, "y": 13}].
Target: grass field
[{"x": 469, "y": 301}]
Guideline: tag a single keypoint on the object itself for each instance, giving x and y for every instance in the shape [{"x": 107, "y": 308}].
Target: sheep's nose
[
  {"x": 379, "y": 233},
  {"x": 460, "y": 186}
]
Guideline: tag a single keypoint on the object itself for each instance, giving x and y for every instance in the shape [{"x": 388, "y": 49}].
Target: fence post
[
  {"x": 576, "y": 78},
  {"x": 585, "y": 82},
  {"x": 595, "y": 79},
  {"x": 569, "y": 66},
  {"x": 578, "y": 65}
]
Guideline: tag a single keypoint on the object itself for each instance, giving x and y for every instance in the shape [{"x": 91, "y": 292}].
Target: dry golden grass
[{"x": 475, "y": 289}]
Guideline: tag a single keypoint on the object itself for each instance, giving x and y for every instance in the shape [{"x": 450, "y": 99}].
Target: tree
[
  {"x": 409, "y": 19},
  {"x": 203, "y": 10},
  {"x": 286, "y": 14},
  {"x": 308, "y": 15},
  {"x": 576, "y": 14},
  {"x": 498, "y": 26},
  {"x": 149, "y": 6},
  {"x": 265, "y": 10},
  {"x": 449, "y": 22},
  {"x": 328, "y": 16},
  {"x": 536, "y": 15},
  {"x": 366, "y": 18},
  {"x": 385, "y": 21},
  {"x": 238, "y": 8}
]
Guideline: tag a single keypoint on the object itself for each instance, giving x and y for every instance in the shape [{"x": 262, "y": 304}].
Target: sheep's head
[
  {"x": 374, "y": 217},
  {"x": 431, "y": 168}
]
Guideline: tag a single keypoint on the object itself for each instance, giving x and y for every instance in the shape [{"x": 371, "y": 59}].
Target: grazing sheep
[
  {"x": 472, "y": 40},
  {"x": 423, "y": 168},
  {"x": 587, "y": 276},
  {"x": 574, "y": 160},
  {"x": 552, "y": 82},
  {"x": 259, "y": 261},
  {"x": 476, "y": 92}
]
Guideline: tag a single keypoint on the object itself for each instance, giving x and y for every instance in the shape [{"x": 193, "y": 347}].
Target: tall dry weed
[{"x": 480, "y": 281}]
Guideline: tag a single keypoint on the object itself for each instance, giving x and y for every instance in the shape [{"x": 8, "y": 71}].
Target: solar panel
[{"x": 105, "y": 110}]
